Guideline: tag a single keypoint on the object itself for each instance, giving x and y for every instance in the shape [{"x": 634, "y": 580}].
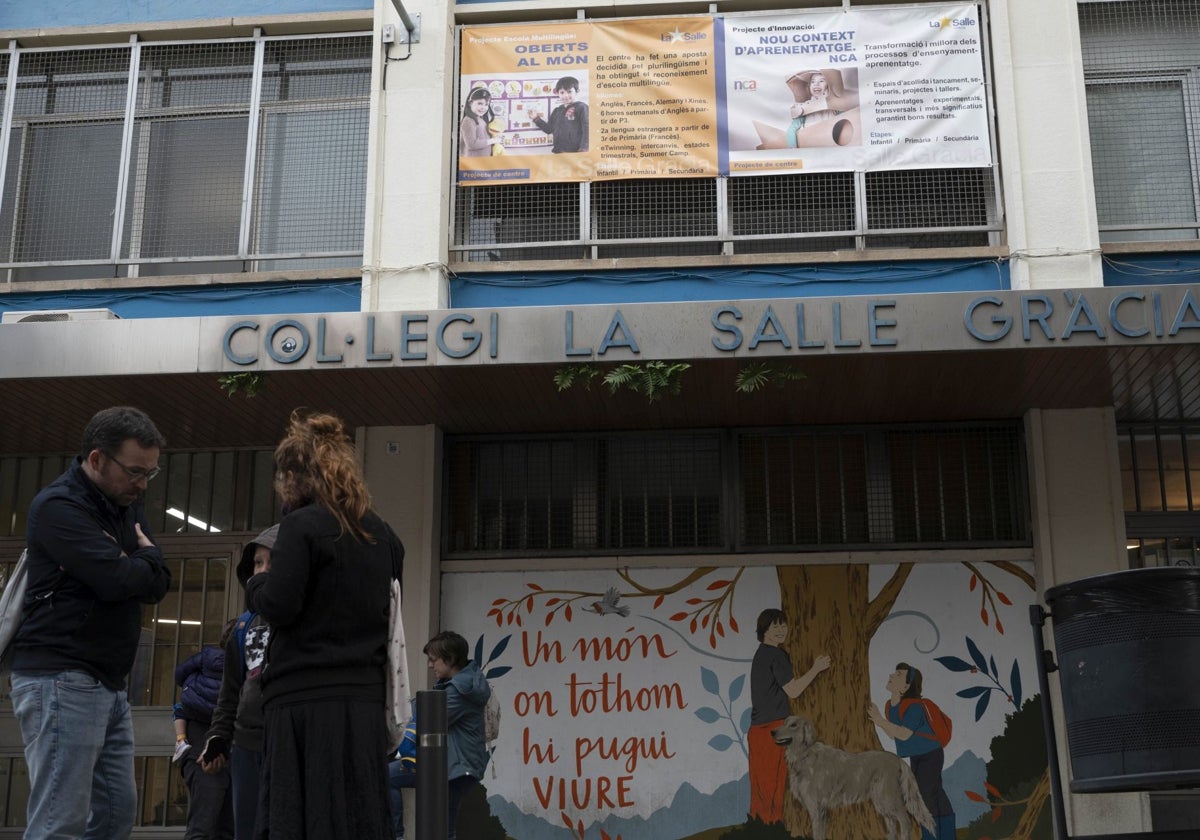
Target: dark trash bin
[{"x": 1128, "y": 649}]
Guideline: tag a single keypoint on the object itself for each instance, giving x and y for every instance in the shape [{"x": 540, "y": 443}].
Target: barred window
[
  {"x": 1142, "y": 66},
  {"x": 1160, "y": 484},
  {"x": 924, "y": 208},
  {"x": 900, "y": 487},
  {"x": 795, "y": 489},
  {"x": 579, "y": 495},
  {"x": 101, "y": 182}
]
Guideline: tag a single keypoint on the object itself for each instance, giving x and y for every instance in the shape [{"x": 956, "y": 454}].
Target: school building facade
[{"x": 915, "y": 387}]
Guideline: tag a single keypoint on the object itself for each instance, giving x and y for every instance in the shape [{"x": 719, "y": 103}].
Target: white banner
[{"x": 862, "y": 89}]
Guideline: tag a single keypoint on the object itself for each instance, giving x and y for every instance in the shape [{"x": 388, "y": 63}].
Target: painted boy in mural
[
  {"x": 772, "y": 687},
  {"x": 907, "y": 719}
]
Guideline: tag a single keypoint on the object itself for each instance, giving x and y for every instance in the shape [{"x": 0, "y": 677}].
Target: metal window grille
[
  {"x": 192, "y": 495},
  {"x": 625, "y": 493},
  {"x": 1160, "y": 485},
  {"x": 798, "y": 489},
  {"x": 898, "y": 487},
  {"x": 133, "y": 160},
  {"x": 1141, "y": 62}
]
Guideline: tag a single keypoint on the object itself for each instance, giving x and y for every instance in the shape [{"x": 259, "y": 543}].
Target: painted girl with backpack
[{"x": 921, "y": 731}]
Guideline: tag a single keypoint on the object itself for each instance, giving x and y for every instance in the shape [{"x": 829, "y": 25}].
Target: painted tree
[{"x": 830, "y": 611}]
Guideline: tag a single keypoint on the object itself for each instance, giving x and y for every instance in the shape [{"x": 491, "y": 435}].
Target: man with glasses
[{"x": 92, "y": 565}]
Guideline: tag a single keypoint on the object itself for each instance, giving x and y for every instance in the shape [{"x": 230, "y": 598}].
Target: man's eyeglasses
[{"x": 137, "y": 473}]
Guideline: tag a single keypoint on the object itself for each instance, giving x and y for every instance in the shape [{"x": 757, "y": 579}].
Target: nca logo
[{"x": 745, "y": 84}]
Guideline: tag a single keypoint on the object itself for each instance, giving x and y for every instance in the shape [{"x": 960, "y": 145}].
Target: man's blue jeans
[{"x": 79, "y": 748}]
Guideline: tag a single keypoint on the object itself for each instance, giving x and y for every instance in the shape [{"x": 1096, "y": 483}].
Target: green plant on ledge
[
  {"x": 249, "y": 382},
  {"x": 651, "y": 379},
  {"x": 758, "y": 375},
  {"x": 654, "y": 379}
]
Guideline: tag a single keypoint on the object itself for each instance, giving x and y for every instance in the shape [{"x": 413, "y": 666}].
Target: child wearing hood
[
  {"x": 467, "y": 694},
  {"x": 236, "y": 734}
]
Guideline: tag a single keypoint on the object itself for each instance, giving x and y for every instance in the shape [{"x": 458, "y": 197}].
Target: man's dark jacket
[{"x": 88, "y": 580}]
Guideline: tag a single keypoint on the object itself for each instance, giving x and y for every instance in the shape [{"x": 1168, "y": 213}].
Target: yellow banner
[{"x": 588, "y": 101}]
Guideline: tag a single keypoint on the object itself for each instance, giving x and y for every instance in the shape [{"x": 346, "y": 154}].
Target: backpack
[
  {"x": 491, "y": 717},
  {"x": 491, "y": 726},
  {"x": 939, "y": 721},
  {"x": 239, "y": 633}
]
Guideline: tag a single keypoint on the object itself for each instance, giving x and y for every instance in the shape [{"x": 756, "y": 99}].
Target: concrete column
[
  {"x": 403, "y": 470},
  {"x": 409, "y": 163},
  {"x": 1044, "y": 146},
  {"x": 1079, "y": 531}
]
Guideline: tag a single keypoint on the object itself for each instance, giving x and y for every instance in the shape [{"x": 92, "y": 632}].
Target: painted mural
[{"x": 708, "y": 702}]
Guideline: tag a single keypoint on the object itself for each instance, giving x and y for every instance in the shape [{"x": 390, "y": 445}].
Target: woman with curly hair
[{"x": 327, "y": 599}]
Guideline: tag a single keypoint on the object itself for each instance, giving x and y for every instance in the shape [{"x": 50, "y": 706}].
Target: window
[
  {"x": 173, "y": 156},
  {"x": 1160, "y": 483},
  {"x": 1142, "y": 66},
  {"x": 708, "y": 217},
  {"x": 793, "y": 489}
]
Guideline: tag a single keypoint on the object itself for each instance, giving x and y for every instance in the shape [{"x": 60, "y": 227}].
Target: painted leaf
[
  {"x": 983, "y": 615},
  {"x": 999, "y": 627},
  {"x": 704, "y": 621},
  {"x": 977, "y": 655},
  {"x": 498, "y": 602},
  {"x": 1003, "y": 598},
  {"x": 529, "y": 604},
  {"x": 744, "y": 725},
  {"x": 693, "y": 601},
  {"x": 982, "y": 704},
  {"x": 735, "y": 687},
  {"x": 492, "y": 612},
  {"x": 710, "y": 681},
  {"x": 991, "y": 788},
  {"x": 567, "y": 819},
  {"x": 973, "y": 796},
  {"x": 679, "y": 616},
  {"x": 974, "y": 581},
  {"x": 479, "y": 650},
  {"x": 518, "y": 617},
  {"x": 992, "y": 665},
  {"x": 720, "y": 630},
  {"x": 733, "y": 625},
  {"x": 1014, "y": 682},
  {"x": 712, "y": 640},
  {"x": 567, "y": 612},
  {"x": 658, "y": 602},
  {"x": 604, "y": 835},
  {"x": 692, "y": 626},
  {"x": 534, "y": 587},
  {"x": 499, "y": 620},
  {"x": 708, "y": 714},
  {"x": 720, "y": 743},
  {"x": 499, "y": 671},
  {"x": 550, "y": 602},
  {"x": 995, "y": 814},
  {"x": 549, "y": 618},
  {"x": 973, "y": 691},
  {"x": 953, "y": 663},
  {"x": 510, "y": 618},
  {"x": 717, "y": 584},
  {"x": 579, "y": 825}
]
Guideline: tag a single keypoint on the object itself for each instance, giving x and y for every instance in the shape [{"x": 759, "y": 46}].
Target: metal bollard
[{"x": 432, "y": 771}]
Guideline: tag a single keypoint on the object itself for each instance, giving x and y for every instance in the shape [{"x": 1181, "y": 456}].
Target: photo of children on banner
[{"x": 824, "y": 113}]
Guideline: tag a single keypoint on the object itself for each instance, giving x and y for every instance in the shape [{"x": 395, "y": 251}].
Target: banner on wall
[
  {"x": 855, "y": 90},
  {"x": 587, "y": 101},
  {"x": 869, "y": 89}
]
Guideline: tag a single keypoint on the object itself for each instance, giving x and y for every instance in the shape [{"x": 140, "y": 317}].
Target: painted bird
[{"x": 608, "y": 604}]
